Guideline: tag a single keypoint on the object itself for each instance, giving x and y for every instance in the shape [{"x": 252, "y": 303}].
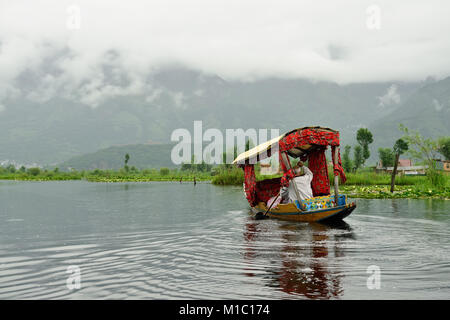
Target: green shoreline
[
  {"x": 367, "y": 185},
  {"x": 353, "y": 191}
]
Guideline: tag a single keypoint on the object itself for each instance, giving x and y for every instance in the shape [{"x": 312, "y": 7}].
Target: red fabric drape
[
  {"x": 250, "y": 183},
  {"x": 308, "y": 136},
  {"x": 337, "y": 165},
  {"x": 317, "y": 163},
  {"x": 260, "y": 191},
  {"x": 267, "y": 189}
]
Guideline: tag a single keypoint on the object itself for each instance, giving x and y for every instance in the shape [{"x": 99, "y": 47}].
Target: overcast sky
[{"x": 341, "y": 41}]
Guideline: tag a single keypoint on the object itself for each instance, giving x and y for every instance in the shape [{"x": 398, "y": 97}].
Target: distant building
[
  {"x": 268, "y": 169},
  {"x": 404, "y": 163},
  {"x": 443, "y": 165},
  {"x": 379, "y": 167},
  {"x": 401, "y": 163},
  {"x": 408, "y": 170},
  {"x": 404, "y": 166}
]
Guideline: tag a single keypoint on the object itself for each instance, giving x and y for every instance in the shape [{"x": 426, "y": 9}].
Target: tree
[
  {"x": 358, "y": 158},
  {"x": 400, "y": 147},
  {"x": 248, "y": 144},
  {"x": 127, "y": 158},
  {"x": 34, "y": 171},
  {"x": 225, "y": 165},
  {"x": 347, "y": 163},
  {"x": 164, "y": 171},
  {"x": 424, "y": 149},
  {"x": 386, "y": 156},
  {"x": 364, "y": 138},
  {"x": 444, "y": 147}
]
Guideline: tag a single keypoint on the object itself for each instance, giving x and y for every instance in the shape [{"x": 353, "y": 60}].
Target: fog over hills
[
  {"x": 59, "y": 128},
  {"x": 142, "y": 156},
  {"x": 426, "y": 110},
  {"x": 54, "y": 130}
]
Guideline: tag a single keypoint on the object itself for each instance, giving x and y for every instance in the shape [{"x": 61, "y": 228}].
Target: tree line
[{"x": 424, "y": 149}]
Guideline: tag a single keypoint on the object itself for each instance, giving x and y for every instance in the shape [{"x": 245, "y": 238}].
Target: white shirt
[{"x": 303, "y": 185}]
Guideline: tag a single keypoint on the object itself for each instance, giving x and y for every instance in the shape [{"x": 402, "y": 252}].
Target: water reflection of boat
[
  {"x": 301, "y": 265},
  {"x": 308, "y": 144}
]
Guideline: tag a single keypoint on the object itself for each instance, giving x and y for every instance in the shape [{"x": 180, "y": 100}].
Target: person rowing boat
[{"x": 302, "y": 179}]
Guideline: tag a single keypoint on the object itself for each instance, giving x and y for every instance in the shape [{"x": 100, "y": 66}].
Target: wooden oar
[{"x": 279, "y": 192}]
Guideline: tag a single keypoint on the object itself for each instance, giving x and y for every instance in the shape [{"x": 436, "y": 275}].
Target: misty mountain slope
[
  {"x": 53, "y": 130},
  {"x": 142, "y": 156},
  {"x": 427, "y": 110}
]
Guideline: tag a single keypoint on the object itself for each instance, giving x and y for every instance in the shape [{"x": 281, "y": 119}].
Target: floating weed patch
[{"x": 382, "y": 192}]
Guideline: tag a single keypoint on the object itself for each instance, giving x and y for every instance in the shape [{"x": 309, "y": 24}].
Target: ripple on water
[{"x": 212, "y": 254}]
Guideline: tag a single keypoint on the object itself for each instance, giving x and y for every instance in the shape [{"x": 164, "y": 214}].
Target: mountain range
[{"x": 55, "y": 129}]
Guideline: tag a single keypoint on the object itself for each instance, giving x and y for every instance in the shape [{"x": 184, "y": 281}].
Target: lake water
[{"x": 176, "y": 241}]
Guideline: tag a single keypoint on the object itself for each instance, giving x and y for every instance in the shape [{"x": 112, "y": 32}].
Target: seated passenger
[{"x": 302, "y": 179}]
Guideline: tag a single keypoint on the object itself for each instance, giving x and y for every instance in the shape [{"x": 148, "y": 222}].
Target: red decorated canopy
[{"x": 308, "y": 144}]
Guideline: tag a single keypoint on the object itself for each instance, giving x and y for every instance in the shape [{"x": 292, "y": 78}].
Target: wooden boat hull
[{"x": 290, "y": 212}]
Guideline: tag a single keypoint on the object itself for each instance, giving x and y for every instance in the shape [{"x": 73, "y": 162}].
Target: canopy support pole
[
  {"x": 336, "y": 178},
  {"x": 287, "y": 164}
]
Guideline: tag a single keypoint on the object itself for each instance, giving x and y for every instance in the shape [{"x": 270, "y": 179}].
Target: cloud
[
  {"x": 118, "y": 43},
  {"x": 154, "y": 95},
  {"x": 390, "y": 98}
]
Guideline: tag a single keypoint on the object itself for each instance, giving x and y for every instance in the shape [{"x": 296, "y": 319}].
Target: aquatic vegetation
[
  {"x": 147, "y": 175},
  {"x": 232, "y": 176},
  {"x": 235, "y": 176},
  {"x": 42, "y": 176},
  {"x": 97, "y": 175},
  {"x": 369, "y": 185},
  {"x": 382, "y": 192}
]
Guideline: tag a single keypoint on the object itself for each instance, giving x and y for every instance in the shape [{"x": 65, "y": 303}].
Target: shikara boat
[{"x": 307, "y": 144}]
